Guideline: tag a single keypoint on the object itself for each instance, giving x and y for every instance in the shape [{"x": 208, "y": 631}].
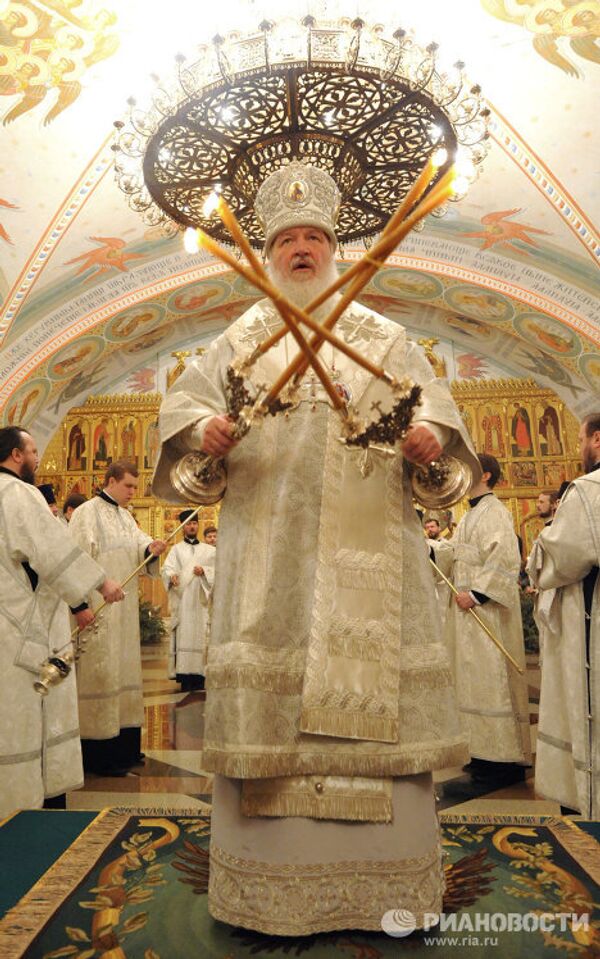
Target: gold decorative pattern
[{"x": 297, "y": 899}]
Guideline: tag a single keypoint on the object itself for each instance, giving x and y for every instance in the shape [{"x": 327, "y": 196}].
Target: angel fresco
[
  {"x": 469, "y": 366},
  {"x": 555, "y": 23},
  {"x": 109, "y": 256},
  {"x": 498, "y": 230},
  {"x": 47, "y": 48},
  {"x": 542, "y": 364}
]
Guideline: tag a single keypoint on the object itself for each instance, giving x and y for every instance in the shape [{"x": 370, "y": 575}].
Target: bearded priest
[
  {"x": 330, "y": 696},
  {"x": 564, "y": 565}
]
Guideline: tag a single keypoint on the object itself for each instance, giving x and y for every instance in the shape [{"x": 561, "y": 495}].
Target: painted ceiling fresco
[{"x": 91, "y": 299}]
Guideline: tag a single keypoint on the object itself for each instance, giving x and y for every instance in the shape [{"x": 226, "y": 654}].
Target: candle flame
[
  {"x": 460, "y": 185},
  {"x": 190, "y": 240},
  {"x": 211, "y": 204},
  {"x": 439, "y": 157}
]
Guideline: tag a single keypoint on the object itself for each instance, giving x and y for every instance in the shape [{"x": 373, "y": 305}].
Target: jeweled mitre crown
[{"x": 297, "y": 195}]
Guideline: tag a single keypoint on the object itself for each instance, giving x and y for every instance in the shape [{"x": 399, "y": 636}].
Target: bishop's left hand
[
  {"x": 157, "y": 547},
  {"x": 420, "y": 446}
]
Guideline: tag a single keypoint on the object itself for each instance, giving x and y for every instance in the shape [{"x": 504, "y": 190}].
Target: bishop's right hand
[
  {"x": 218, "y": 440},
  {"x": 111, "y": 591}
]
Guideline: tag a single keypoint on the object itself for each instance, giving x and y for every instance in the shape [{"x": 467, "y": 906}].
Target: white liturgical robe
[
  {"x": 189, "y": 605},
  {"x": 109, "y": 673},
  {"x": 492, "y": 695},
  {"x": 564, "y": 565},
  {"x": 329, "y": 691},
  {"x": 40, "y": 754},
  {"x": 443, "y": 556}
]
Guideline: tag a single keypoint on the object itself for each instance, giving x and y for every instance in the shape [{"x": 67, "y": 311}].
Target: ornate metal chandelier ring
[{"x": 366, "y": 106}]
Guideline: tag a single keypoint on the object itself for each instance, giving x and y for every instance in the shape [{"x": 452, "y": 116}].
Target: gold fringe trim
[
  {"x": 263, "y": 678},
  {"x": 352, "y": 798},
  {"x": 504, "y": 819},
  {"x": 353, "y": 809},
  {"x": 23, "y": 922},
  {"x": 348, "y": 725},
  {"x": 581, "y": 846},
  {"x": 283, "y": 680},
  {"x": 172, "y": 811},
  {"x": 228, "y": 761}
]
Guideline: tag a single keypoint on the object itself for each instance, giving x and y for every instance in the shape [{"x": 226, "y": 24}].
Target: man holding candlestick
[{"x": 330, "y": 696}]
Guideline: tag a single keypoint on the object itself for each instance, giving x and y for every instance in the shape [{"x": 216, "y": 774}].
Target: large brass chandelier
[{"x": 366, "y": 105}]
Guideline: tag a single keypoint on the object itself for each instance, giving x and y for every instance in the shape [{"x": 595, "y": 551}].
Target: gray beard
[{"x": 301, "y": 292}]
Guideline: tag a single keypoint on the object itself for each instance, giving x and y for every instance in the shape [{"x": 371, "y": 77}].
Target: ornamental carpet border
[{"x": 134, "y": 885}]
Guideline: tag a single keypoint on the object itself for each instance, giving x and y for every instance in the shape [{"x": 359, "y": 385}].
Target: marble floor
[{"x": 172, "y": 776}]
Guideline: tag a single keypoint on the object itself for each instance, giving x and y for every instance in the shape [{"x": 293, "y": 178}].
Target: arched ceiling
[{"x": 88, "y": 293}]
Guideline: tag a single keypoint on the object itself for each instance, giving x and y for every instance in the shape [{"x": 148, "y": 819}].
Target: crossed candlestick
[{"x": 360, "y": 274}]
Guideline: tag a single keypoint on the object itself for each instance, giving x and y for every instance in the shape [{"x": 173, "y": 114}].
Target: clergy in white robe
[
  {"x": 41, "y": 570},
  {"x": 329, "y": 691},
  {"x": 441, "y": 553},
  {"x": 492, "y": 694},
  {"x": 564, "y": 567},
  {"x": 109, "y": 674},
  {"x": 188, "y": 576}
]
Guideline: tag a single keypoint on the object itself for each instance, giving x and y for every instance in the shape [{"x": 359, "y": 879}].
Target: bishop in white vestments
[
  {"x": 563, "y": 565},
  {"x": 188, "y": 576},
  {"x": 40, "y": 570},
  {"x": 329, "y": 690}
]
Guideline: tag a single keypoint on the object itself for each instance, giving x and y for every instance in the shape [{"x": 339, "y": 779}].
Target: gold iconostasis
[{"x": 525, "y": 426}]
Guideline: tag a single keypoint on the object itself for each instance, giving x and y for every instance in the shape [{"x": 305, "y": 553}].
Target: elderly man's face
[{"x": 301, "y": 253}]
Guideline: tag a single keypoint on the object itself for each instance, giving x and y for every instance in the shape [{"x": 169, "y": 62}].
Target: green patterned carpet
[{"x": 134, "y": 887}]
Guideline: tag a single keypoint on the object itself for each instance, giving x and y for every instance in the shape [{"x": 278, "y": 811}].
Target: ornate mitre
[{"x": 297, "y": 195}]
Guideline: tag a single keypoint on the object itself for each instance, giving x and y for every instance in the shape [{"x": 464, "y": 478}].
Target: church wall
[{"x": 525, "y": 426}]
